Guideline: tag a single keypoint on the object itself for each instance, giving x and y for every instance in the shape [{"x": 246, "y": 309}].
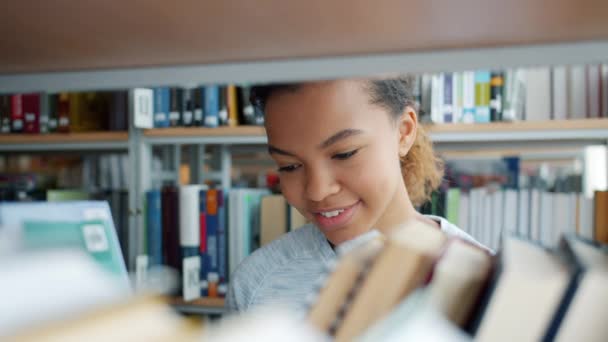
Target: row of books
[
  {"x": 488, "y": 213},
  {"x": 205, "y": 233},
  {"x": 206, "y": 106},
  {"x": 380, "y": 290},
  {"x": 36, "y": 113},
  {"x": 533, "y": 94}
]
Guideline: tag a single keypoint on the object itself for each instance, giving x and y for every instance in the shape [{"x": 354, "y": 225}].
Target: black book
[{"x": 175, "y": 107}]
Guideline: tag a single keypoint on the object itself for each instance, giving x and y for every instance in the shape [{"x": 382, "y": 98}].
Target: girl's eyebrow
[{"x": 343, "y": 134}]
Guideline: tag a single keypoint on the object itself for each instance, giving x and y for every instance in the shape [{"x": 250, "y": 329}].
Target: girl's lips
[{"x": 336, "y": 222}]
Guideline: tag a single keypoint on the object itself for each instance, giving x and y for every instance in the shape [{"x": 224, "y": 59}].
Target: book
[
  {"x": 577, "y": 92},
  {"x": 529, "y": 289},
  {"x": 154, "y": 227},
  {"x": 437, "y": 94},
  {"x": 515, "y": 95},
  {"x": 170, "y": 224},
  {"x": 559, "y": 93},
  {"x": 448, "y": 98},
  {"x": 188, "y": 98},
  {"x": 468, "y": 96},
  {"x": 413, "y": 249},
  {"x": 212, "y": 106},
  {"x": 53, "y": 112},
  {"x": 175, "y": 107},
  {"x": 458, "y": 280},
  {"x": 63, "y": 113},
  {"x": 496, "y": 95},
  {"x": 584, "y": 318},
  {"x": 5, "y": 114},
  {"x": 601, "y": 216},
  {"x": 538, "y": 94},
  {"x": 17, "y": 119},
  {"x": 340, "y": 283},
  {"x": 118, "y": 112},
  {"x": 198, "y": 95},
  {"x": 232, "y": 105},
  {"x": 142, "y": 107},
  {"x": 273, "y": 217},
  {"x": 594, "y": 89},
  {"x": 161, "y": 107},
  {"x": 482, "y": 96}
]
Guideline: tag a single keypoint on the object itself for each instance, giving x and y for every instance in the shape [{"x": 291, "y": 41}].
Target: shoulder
[
  {"x": 301, "y": 244},
  {"x": 452, "y": 230}
]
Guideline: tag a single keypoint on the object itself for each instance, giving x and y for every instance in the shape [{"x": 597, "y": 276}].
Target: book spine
[
  {"x": 222, "y": 238},
  {"x": 170, "y": 225},
  {"x": 188, "y": 107},
  {"x": 604, "y": 90},
  {"x": 559, "y": 93},
  {"x": 468, "y": 97},
  {"x": 482, "y": 96},
  {"x": 5, "y": 114},
  {"x": 457, "y": 89},
  {"x": 63, "y": 113},
  {"x": 161, "y": 107},
  {"x": 212, "y": 229},
  {"x": 212, "y": 108},
  {"x": 232, "y": 104},
  {"x": 249, "y": 114},
  {"x": 437, "y": 99},
  {"x": 154, "y": 224},
  {"x": 175, "y": 107},
  {"x": 17, "y": 120},
  {"x": 53, "y": 110},
  {"x": 448, "y": 98},
  {"x": 577, "y": 92},
  {"x": 203, "y": 250},
  {"x": 593, "y": 91},
  {"x": 496, "y": 95},
  {"x": 199, "y": 100},
  {"x": 44, "y": 113}
]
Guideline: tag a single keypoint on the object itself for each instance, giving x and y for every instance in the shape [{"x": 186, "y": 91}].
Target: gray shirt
[{"x": 288, "y": 270}]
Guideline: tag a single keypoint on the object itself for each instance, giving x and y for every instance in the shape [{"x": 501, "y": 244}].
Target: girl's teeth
[{"x": 332, "y": 213}]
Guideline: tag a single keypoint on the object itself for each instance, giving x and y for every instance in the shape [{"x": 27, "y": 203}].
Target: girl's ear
[{"x": 408, "y": 124}]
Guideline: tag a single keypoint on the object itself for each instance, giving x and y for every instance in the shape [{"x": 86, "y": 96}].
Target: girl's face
[{"x": 338, "y": 157}]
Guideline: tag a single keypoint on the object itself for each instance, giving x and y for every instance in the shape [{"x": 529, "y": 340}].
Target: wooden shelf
[
  {"x": 108, "y": 44},
  {"x": 64, "y": 141},
  {"x": 110, "y": 34},
  {"x": 205, "y": 131},
  {"x": 213, "y": 306}
]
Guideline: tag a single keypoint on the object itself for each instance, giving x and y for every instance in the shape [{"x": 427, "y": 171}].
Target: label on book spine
[{"x": 191, "y": 278}]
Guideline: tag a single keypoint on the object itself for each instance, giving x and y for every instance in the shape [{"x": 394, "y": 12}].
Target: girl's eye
[
  {"x": 345, "y": 155},
  {"x": 289, "y": 168}
]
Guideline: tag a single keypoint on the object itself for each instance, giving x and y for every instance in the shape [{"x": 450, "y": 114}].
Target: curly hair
[{"x": 422, "y": 170}]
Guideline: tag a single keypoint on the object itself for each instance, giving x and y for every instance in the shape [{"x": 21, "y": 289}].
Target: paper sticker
[
  {"x": 95, "y": 237},
  {"x": 191, "y": 278}
]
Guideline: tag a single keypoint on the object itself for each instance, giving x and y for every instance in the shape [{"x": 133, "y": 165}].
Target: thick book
[
  {"x": 559, "y": 93},
  {"x": 118, "y": 112},
  {"x": 212, "y": 227},
  {"x": 482, "y": 96},
  {"x": 189, "y": 219},
  {"x": 468, "y": 96},
  {"x": 403, "y": 265},
  {"x": 538, "y": 94},
  {"x": 222, "y": 237},
  {"x": 577, "y": 92},
  {"x": 203, "y": 249},
  {"x": 529, "y": 289},
  {"x": 584, "y": 319},
  {"x": 232, "y": 102},
  {"x": 161, "y": 107},
  {"x": 170, "y": 225},
  {"x": 273, "y": 214},
  {"x": 142, "y": 107},
  {"x": 154, "y": 227},
  {"x": 63, "y": 113},
  {"x": 448, "y": 98},
  {"x": 212, "y": 106},
  {"x": 437, "y": 94},
  {"x": 175, "y": 107},
  {"x": 17, "y": 119},
  {"x": 457, "y": 94},
  {"x": 53, "y": 113},
  {"x": 496, "y": 95},
  {"x": 5, "y": 114},
  {"x": 594, "y": 90},
  {"x": 198, "y": 99},
  {"x": 188, "y": 107}
]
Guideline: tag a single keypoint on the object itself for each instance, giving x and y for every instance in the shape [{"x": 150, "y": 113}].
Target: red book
[
  {"x": 16, "y": 114},
  {"x": 31, "y": 112}
]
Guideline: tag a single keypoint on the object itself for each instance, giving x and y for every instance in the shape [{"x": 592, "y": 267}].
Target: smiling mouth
[{"x": 335, "y": 218}]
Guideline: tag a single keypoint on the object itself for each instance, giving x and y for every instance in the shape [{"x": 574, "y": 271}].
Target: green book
[
  {"x": 93, "y": 237},
  {"x": 66, "y": 195},
  {"x": 452, "y": 201}
]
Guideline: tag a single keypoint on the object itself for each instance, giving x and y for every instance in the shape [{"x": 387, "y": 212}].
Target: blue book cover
[
  {"x": 212, "y": 230},
  {"x": 161, "y": 107},
  {"x": 154, "y": 227},
  {"x": 212, "y": 106},
  {"x": 222, "y": 237},
  {"x": 203, "y": 251}
]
